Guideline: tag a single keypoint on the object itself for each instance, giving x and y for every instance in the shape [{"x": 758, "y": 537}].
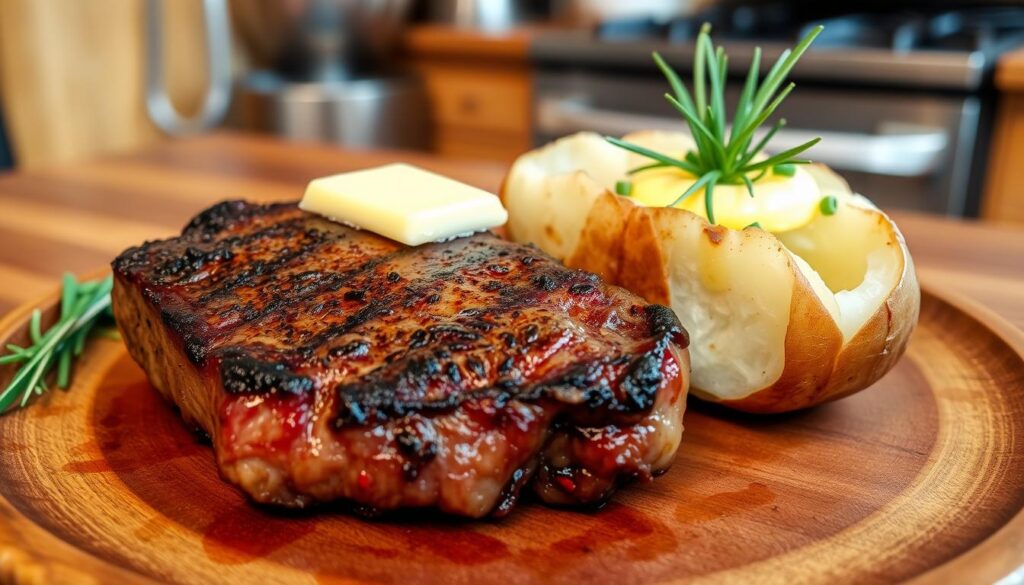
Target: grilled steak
[{"x": 330, "y": 363}]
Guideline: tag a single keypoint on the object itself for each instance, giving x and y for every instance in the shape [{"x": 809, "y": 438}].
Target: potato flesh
[
  {"x": 852, "y": 279},
  {"x": 555, "y": 193},
  {"x": 780, "y": 203},
  {"x": 733, "y": 295},
  {"x": 855, "y": 254}
]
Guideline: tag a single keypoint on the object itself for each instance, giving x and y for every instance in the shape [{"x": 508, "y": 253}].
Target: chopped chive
[
  {"x": 753, "y": 225},
  {"x": 829, "y": 205},
  {"x": 784, "y": 170},
  {"x": 624, "y": 188}
]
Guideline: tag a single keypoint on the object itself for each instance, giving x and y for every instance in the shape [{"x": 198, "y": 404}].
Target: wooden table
[{"x": 79, "y": 217}]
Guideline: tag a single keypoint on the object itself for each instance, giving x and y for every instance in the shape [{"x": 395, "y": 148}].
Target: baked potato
[{"x": 813, "y": 307}]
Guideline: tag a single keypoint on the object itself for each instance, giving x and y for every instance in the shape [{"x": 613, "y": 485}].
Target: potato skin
[
  {"x": 812, "y": 342},
  {"x": 621, "y": 242},
  {"x": 853, "y": 366},
  {"x": 602, "y": 246},
  {"x": 880, "y": 343}
]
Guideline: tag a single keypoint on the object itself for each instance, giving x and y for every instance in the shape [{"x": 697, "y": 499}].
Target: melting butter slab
[{"x": 404, "y": 203}]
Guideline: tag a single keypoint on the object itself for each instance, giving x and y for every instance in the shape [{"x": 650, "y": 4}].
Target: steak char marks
[{"x": 330, "y": 363}]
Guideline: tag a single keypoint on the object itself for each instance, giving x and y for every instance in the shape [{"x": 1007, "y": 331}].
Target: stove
[{"x": 900, "y": 93}]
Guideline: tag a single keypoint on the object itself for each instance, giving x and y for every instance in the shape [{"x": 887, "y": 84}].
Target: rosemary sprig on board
[
  {"x": 83, "y": 306},
  {"x": 724, "y": 154}
]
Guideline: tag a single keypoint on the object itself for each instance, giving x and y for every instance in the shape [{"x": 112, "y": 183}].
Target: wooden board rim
[
  {"x": 999, "y": 555},
  {"x": 1002, "y": 553}
]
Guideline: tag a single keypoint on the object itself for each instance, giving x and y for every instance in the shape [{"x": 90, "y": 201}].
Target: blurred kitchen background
[{"x": 920, "y": 104}]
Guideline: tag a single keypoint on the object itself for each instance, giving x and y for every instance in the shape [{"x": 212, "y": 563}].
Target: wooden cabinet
[
  {"x": 479, "y": 86},
  {"x": 1004, "y": 189}
]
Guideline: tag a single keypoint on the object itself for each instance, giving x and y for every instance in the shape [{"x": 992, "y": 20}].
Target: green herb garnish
[
  {"x": 829, "y": 205},
  {"x": 82, "y": 307},
  {"x": 724, "y": 154},
  {"x": 624, "y": 188},
  {"x": 784, "y": 170}
]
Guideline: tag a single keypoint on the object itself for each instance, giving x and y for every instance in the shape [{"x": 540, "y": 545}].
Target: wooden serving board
[{"x": 921, "y": 476}]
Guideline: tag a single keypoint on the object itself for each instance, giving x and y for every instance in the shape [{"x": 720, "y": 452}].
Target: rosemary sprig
[
  {"x": 721, "y": 156},
  {"x": 82, "y": 307}
]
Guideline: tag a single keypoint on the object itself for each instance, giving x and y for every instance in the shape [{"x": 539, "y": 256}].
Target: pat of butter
[{"x": 404, "y": 203}]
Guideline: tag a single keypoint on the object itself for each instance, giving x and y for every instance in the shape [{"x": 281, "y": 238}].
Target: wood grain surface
[{"x": 918, "y": 477}]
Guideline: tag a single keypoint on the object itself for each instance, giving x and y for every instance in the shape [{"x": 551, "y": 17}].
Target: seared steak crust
[{"x": 343, "y": 364}]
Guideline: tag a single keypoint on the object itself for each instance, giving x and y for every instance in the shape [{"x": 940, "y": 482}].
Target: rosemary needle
[
  {"x": 724, "y": 157},
  {"x": 82, "y": 307}
]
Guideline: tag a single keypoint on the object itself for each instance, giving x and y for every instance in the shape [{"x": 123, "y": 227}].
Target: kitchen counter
[{"x": 78, "y": 217}]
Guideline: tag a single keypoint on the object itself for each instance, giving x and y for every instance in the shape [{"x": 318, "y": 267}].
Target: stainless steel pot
[
  {"x": 301, "y": 40},
  {"x": 388, "y": 112},
  {"x": 320, "y": 39},
  {"x": 486, "y": 14}
]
